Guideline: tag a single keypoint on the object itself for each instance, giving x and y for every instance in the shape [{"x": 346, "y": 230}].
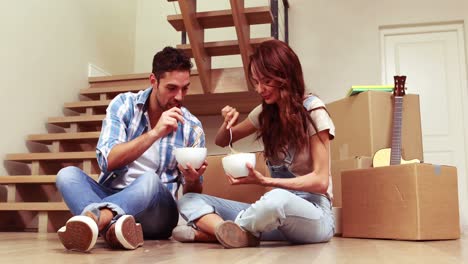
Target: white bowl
[
  {"x": 194, "y": 156},
  {"x": 235, "y": 164}
]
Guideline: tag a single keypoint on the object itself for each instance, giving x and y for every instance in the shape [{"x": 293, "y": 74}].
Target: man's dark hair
[{"x": 170, "y": 59}]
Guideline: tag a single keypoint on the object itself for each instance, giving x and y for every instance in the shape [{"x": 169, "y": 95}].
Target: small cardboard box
[
  {"x": 216, "y": 183},
  {"x": 337, "y": 166},
  {"x": 409, "y": 202},
  {"x": 364, "y": 125},
  {"x": 338, "y": 220}
]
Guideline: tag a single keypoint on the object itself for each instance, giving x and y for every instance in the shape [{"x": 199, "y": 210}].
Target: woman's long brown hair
[{"x": 286, "y": 122}]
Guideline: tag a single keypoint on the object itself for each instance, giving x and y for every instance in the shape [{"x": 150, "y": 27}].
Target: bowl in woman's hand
[{"x": 236, "y": 164}]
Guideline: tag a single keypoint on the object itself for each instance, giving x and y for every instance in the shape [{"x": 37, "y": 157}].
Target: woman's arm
[{"x": 317, "y": 181}]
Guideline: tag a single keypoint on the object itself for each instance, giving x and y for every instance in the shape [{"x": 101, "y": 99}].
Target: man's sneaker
[
  {"x": 231, "y": 235},
  {"x": 183, "y": 233},
  {"x": 124, "y": 233},
  {"x": 79, "y": 233}
]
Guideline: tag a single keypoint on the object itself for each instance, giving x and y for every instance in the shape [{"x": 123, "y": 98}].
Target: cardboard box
[
  {"x": 338, "y": 220},
  {"x": 217, "y": 184},
  {"x": 409, "y": 202},
  {"x": 364, "y": 125},
  {"x": 337, "y": 166}
]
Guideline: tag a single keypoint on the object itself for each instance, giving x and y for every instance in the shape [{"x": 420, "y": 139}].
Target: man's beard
[{"x": 169, "y": 104}]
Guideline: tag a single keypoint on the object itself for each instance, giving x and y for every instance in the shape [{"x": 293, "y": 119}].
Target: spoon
[
  {"x": 196, "y": 142},
  {"x": 230, "y": 142}
]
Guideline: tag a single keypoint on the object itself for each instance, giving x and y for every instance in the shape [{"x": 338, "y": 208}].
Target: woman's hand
[
  {"x": 230, "y": 115},
  {"x": 254, "y": 177},
  {"x": 190, "y": 174}
]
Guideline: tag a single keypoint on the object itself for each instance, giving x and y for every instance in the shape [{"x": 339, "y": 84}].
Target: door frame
[{"x": 450, "y": 26}]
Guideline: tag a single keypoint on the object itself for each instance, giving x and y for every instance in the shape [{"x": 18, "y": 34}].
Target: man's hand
[
  {"x": 192, "y": 175},
  {"x": 168, "y": 122}
]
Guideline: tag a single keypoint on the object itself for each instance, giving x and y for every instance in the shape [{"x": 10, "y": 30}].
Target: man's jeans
[
  {"x": 146, "y": 198},
  {"x": 279, "y": 215}
]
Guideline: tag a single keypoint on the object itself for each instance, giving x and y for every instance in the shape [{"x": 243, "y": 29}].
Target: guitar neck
[{"x": 395, "y": 158}]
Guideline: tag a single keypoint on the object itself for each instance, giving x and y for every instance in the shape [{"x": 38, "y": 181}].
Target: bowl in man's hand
[{"x": 194, "y": 156}]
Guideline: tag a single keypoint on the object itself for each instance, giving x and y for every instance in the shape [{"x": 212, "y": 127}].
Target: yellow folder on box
[{"x": 355, "y": 89}]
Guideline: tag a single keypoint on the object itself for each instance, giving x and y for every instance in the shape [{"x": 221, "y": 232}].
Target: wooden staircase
[{"x": 32, "y": 202}]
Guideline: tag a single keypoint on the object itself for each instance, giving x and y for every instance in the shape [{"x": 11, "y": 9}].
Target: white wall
[
  {"x": 338, "y": 41},
  {"x": 152, "y": 32},
  {"x": 110, "y": 28},
  {"x": 45, "y": 48}
]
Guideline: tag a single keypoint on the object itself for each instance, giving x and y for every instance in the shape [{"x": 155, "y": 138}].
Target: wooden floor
[{"x": 45, "y": 248}]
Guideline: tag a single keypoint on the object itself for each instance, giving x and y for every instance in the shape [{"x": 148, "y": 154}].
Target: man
[{"x": 135, "y": 194}]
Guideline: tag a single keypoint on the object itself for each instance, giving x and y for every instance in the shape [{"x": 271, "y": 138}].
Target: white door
[{"x": 433, "y": 59}]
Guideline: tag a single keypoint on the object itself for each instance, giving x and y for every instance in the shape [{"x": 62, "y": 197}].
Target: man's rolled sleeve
[{"x": 113, "y": 130}]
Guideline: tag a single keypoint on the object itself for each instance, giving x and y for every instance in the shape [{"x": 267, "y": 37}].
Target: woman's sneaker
[
  {"x": 183, "y": 233},
  {"x": 231, "y": 235},
  {"x": 79, "y": 233},
  {"x": 124, "y": 233}
]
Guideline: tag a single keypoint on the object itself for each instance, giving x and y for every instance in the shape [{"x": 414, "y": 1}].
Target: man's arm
[{"x": 124, "y": 153}]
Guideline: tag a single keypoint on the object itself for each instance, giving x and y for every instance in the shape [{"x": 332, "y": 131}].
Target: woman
[{"x": 296, "y": 130}]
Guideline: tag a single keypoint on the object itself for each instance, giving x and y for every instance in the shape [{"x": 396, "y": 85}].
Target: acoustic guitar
[{"x": 392, "y": 156}]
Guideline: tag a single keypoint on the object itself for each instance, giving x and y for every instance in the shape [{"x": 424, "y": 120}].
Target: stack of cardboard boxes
[{"x": 415, "y": 201}]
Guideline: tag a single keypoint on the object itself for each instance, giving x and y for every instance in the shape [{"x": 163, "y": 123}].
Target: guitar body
[
  {"x": 382, "y": 158},
  {"x": 392, "y": 156}
]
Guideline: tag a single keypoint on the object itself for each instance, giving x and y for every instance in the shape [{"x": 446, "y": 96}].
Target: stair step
[
  {"x": 32, "y": 179},
  {"x": 196, "y": 103},
  {"x": 222, "y": 48},
  {"x": 111, "y": 92},
  {"x": 224, "y": 81},
  {"x": 82, "y": 137},
  {"x": 34, "y": 206},
  {"x": 16, "y": 179},
  {"x": 82, "y": 106},
  {"x": 223, "y": 18},
  {"x": 243, "y": 101},
  {"x": 51, "y": 156},
  {"x": 134, "y": 79},
  {"x": 119, "y": 77},
  {"x": 83, "y": 120},
  {"x": 114, "y": 85}
]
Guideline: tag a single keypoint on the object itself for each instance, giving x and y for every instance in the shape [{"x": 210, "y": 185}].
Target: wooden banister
[
  {"x": 243, "y": 35},
  {"x": 196, "y": 36}
]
